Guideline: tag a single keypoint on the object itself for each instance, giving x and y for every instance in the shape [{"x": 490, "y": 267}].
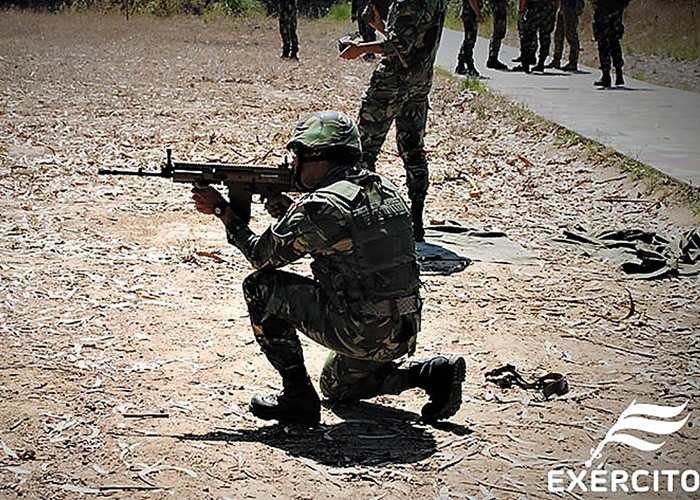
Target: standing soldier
[
  {"x": 399, "y": 88},
  {"x": 363, "y": 303},
  {"x": 288, "y": 28},
  {"x": 471, "y": 17},
  {"x": 499, "y": 11},
  {"x": 608, "y": 30},
  {"x": 567, "y": 27},
  {"x": 365, "y": 30},
  {"x": 537, "y": 17}
]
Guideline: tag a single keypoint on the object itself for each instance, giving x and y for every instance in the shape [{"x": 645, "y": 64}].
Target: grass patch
[
  {"x": 339, "y": 12},
  {"x": 473, "y": 83}
]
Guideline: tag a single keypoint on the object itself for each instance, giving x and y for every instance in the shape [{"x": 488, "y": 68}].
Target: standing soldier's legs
[
  {"x": 572, "y": 12},
  {"x": 617, "y": 31},
  {"x": 377, "y": 111},
  {"x": 528, "y": 40},
  {"x": 465, "y": 59},
  {"x": 293, "y": 40},
  {"x": 545, "y": 27},
  {"x": 601, "y": 32},
  {"x": 499, "y": 11},
  {"x": 410, "y": 130},
  {"x": 559, "y": 33}
]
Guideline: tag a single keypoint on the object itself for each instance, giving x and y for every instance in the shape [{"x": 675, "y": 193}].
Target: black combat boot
[
  {"x": 285, "y": 51},
  {"x": 522, "y": 68},
  {"x": 571, "y": 66},
  {"x": 417, "y": 207},
  {"x": 297, "y": 403},
  {"x": 555, "y": 63},
  {"x": 461, "y": 68},
  {"x": 471, "y": 71},
  {"x": 539, "y": 67},
  {"x": 496, "y": 64},
  {"x": 604, "y": 81},
  {"x": 619, "y": 79},
  {"x": 441, "y": 377}
]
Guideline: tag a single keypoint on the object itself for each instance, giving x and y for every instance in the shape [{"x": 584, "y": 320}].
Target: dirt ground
[{"x": 117, "y": 299}]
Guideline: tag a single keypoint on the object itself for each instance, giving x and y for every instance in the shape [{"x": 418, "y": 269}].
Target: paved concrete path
[{"x": 655, "y": 125}]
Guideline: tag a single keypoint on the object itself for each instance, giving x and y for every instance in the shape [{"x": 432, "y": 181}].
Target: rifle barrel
[{"x": 139, "y": 172}]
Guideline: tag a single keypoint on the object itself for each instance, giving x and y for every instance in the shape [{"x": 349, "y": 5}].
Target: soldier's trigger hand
[{"x": 278, "y": 205}]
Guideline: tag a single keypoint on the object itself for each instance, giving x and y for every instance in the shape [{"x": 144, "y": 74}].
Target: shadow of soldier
[{"x": 369, "y": 434}]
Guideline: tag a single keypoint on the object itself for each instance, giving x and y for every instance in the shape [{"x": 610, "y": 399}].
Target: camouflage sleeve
[
  {"x": 402, "y": 29},
  {"x": 307, "y": 227}
]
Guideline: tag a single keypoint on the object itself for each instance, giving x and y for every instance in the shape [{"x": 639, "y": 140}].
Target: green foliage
[
  {"x": 473, "y": 83},
  {"x": 339, "y": 12}
]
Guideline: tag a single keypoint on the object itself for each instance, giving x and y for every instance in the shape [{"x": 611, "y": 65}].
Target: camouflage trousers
[
  {"x": 567, "y": 27},
  {"x": 608, "y": 30},
  {"x": 471, "y": 28},
  {"x": 394, "y": 98},
  {"x": 288, "y": 27},
  {"x": 537, "y": 23},
  {"x": 499, "y": 11},
  {"x": 361, "y": 363}
]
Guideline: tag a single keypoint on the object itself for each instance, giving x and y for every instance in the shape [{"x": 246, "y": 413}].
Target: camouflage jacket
[
  {"x": 413, "y": 30},
  {"x": 358, "y": 231}
]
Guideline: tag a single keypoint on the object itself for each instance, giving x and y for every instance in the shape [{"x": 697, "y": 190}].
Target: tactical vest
[{"x": 381, "y": 266}]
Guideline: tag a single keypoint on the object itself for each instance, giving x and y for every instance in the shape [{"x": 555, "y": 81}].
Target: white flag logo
[{"x": 635, "y": 418}]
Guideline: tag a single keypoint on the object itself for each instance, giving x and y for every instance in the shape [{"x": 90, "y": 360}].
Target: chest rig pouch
[{"x": 381, "y": 264}]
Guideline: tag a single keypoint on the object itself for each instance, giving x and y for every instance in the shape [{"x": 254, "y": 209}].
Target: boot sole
[{"x": 454, "y": 402}]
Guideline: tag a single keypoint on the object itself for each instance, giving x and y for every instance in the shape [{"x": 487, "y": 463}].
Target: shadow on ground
[{"x": 369, "y": 434}]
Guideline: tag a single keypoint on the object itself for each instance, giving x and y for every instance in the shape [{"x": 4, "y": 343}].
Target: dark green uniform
[
  {"x": 567, "y": 27},
  {"x": 398, "y": 92},
  {"x": 363, "y": 302},
  {"x": 465, "y": 58},
  {"x": 537, "y": 24},
  {"x": 365, "y": 30},
  {"x": 608, "y": 30},
  {"x": 499, "y": 11},
  {"x": 288, "y": 28}
]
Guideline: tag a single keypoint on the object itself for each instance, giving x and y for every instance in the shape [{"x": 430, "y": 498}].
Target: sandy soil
[{"x": 117, "y": 299}]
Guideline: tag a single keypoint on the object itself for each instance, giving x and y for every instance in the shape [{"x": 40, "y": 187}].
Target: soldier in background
[
  {"x": 499, "y": 11},
  {"x": 537, "y": 17},
  {"x": 567, "y": 27},
  {"x": 471, "y": 18},
  {"x": 363, "y": 302},
  {"x": 399, "y": 89},
  {"x": 366, "y": 32},
  {"x": 608, "y": 30},
  {"x": 288, "y": 28}
]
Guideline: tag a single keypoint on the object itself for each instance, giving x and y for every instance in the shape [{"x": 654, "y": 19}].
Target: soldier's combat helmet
[{"x": 326, "y": 129}]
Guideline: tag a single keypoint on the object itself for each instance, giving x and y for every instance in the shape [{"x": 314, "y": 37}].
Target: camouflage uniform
[
  {"x": 608, "y": 30},
  {"x": 471, "y": 28},
  {"x": 538, "y": 22},
  {"x": 399, "y": 89},
  {"x": 363, "y": 302},
  {"x": 288, "y": 28},
  {"x": 499, "y": 11},
  {"x": 567, "y": 27}
]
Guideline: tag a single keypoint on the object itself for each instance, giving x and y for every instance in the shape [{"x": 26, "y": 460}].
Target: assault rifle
[{"x": 242, "y": 181}]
